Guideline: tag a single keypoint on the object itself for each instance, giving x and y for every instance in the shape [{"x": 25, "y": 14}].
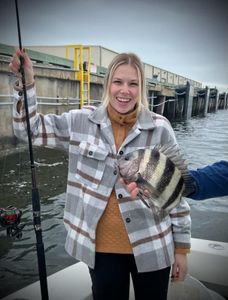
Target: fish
[{"x": 161, "y": 171}]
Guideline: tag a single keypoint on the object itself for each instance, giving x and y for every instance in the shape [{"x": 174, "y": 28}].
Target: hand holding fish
[
  {"x": 133, "y": 188},
  {"x": 15, "y": 66}
]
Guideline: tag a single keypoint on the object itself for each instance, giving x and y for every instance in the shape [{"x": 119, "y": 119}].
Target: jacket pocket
[{"x": 91, "y": 164}]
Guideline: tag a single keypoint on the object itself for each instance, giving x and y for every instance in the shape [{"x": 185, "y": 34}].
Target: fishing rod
[{"x": 35, "y": 191}]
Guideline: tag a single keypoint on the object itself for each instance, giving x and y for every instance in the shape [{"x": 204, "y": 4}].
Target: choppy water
[{"x": 203, "y": 140}]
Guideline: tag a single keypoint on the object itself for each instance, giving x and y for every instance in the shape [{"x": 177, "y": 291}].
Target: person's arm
[
  {"x": 210, "y": 181},
  {"x": 48, "y": 130}
]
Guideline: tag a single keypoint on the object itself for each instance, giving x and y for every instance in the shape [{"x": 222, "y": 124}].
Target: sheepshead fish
[{"x": 161, "y": 171}]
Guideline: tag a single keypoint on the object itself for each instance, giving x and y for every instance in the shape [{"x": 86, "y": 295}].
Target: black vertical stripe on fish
[
  {"x": 155, "y": 155},
  {"x": 175, "y": 193},
  {"x": 141, "y": 156},
  {"x": 153, "y": 161},
  {"x": 166, "y": 176}
]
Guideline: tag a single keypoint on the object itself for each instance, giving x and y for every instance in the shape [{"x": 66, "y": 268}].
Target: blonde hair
[{"x": 125, "y": 59}]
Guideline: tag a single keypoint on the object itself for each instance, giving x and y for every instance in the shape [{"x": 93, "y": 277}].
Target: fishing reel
[{"x": 10, "y": 218}]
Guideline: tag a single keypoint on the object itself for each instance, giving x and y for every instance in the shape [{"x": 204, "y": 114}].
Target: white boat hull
[{"x": 208, "y": 262}]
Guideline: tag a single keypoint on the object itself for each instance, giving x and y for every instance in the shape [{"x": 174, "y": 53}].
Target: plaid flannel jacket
[{"x": 86, "y": 134}]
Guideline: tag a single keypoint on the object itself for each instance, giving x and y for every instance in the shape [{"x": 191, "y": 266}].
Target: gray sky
[{"x": 188, "y": 37}]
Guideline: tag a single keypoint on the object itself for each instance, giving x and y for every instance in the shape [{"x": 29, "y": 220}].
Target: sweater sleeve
[{"x": 210, "y": 181}]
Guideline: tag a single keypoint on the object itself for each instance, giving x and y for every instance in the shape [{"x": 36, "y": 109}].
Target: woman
[{"x": 112, "y": 233}]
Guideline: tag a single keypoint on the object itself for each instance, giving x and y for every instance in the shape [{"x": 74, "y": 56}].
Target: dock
[{"x": 68, "y": 77}]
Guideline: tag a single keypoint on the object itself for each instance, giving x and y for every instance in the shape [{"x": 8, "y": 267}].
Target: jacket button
[
  {"x": 90, "y": 153},
  {"x": 115, "y": 172},
  {"x": 120, "y": 196},
  {"x": 20, "y": 93},
  {"x": 121, "y": 152},
  {"x": 128, "y": 220}
]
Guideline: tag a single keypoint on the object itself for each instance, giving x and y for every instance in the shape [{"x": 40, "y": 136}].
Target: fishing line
[
  {"x": 3, "y": 159},
  {"x": 35, "y": 192}
]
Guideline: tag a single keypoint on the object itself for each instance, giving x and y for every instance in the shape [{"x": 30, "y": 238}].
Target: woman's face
[{"x": 124, "y": 89}]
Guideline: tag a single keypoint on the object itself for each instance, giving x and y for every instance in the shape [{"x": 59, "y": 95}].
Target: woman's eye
[{"x": 117, "y": 81}]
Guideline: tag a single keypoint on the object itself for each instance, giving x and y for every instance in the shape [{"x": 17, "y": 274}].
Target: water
[
  {"x": 203, "y": 141},
  {"x": 18, "y": 260}
]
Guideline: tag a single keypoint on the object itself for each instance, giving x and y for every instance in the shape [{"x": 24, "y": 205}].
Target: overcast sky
[{"x": 188, "y": 37}]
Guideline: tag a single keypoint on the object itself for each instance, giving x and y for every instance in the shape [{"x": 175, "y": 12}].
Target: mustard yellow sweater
[{"x": 111, "y": 235}]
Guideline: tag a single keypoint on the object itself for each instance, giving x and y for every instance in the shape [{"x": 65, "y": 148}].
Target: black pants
[{"x": 111, "y": 279}]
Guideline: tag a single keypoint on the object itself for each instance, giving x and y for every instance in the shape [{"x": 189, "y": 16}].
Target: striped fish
[{"x": 161, "y": 171}]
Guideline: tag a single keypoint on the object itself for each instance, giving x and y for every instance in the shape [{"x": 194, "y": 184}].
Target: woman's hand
[
  {"x": 131, "y": 188},
  {"x": 180, "y": 267},
  {"x": 15, "y": 66}
]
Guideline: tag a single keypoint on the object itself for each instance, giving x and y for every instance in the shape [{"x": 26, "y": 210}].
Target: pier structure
[
  {"x": 223, "y": 101},
  {"x": 71, "y": 80}
]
